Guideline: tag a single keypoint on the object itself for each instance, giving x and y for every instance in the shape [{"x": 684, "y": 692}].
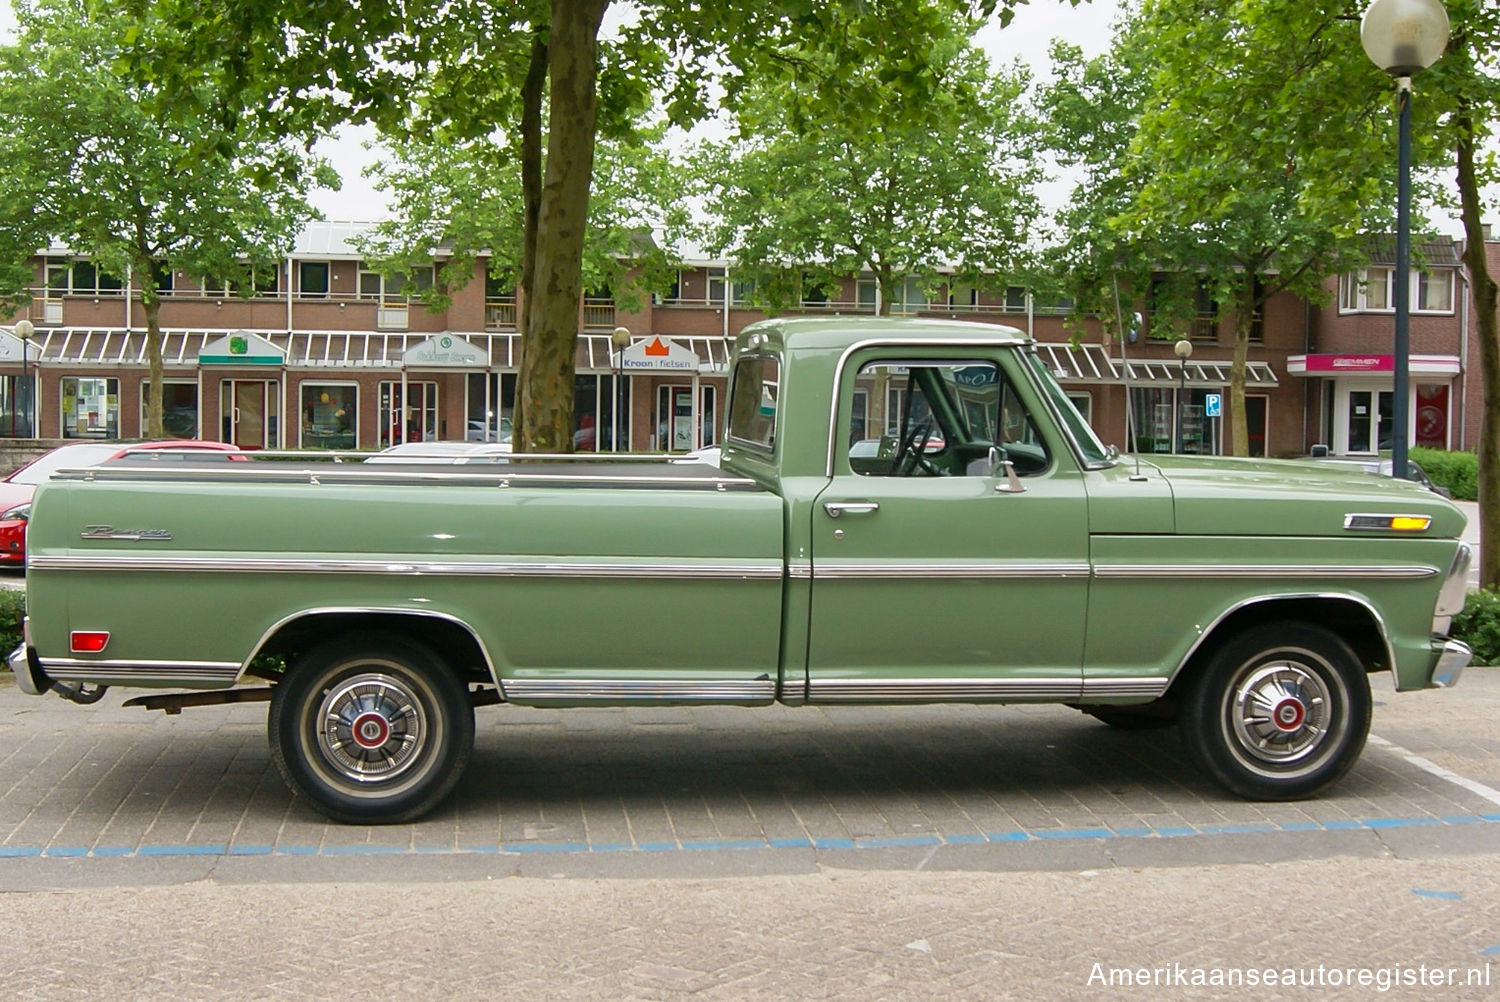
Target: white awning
[{"x": 78, "y": 346}]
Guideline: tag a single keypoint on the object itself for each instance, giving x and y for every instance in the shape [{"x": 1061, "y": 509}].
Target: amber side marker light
[
  {"x": 87, "y": 641},
  {"x": 1388, "y": 523}
]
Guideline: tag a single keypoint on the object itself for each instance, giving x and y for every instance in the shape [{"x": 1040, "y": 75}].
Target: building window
[
  {"x": 397, "y": 287},
  {"x": 866, "y": 292},
  {"x": 263, "y": 282},
  {"x": 90, "y": 407},
  {"x": 161, "y": 274},
  {"x": 179, "y": 408},
  {"x": 329, "y": 412},
  {"x": 1434, "y": 291},
  {"x": 15, "y": 406},
  {"x": 312, "y": 279},
  {"x": 910, "y": 297},
  {"x": 491, "y": 401},
  {"x": 1084, "y": 403},
  {"x": 1015, "y": 299},
  {"x": 83, "y": 277}
]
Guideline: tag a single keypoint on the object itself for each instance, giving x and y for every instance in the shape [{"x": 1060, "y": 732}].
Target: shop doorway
[
  {"x": 673, "y": 422},
  {"x": 248, "y": 412}
]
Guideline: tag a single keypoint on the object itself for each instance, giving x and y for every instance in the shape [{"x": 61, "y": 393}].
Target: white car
[{"x": 443, "y": 453}]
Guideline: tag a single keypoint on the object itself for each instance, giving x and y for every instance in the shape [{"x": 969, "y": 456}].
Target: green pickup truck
[{"x": 904, "y": 512}]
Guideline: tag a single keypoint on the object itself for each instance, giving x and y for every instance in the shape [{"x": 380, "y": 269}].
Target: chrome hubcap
[
  {"x": 371, "y": 728},
  {"x": 1281, "y": 712}
]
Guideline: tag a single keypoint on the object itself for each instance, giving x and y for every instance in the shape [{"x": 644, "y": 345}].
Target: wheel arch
[
  {"x": 1352, "y": 618},
  {"x": 446, "y": 634}
]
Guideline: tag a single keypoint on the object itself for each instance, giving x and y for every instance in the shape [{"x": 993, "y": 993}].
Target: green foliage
[
  {"x": 1457, "y": 471},
  {"x": 799, "y": 200},
  {"x": 465, "y": 197},
  {"x": 1479, "y": 626},
  {"x": 12, "y": 611}
]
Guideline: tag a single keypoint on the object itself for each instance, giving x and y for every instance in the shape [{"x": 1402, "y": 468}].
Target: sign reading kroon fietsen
[{"x": 659, "y": 354}]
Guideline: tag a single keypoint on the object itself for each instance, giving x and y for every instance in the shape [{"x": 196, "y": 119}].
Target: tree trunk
[
  {"x": 532, "y": 92},
  {"x": 1483, "y": 285},
  {"x": 551, "y": 331},
  {"x": 1244, "y": 320},
  {"x": 151, "y": 304}
]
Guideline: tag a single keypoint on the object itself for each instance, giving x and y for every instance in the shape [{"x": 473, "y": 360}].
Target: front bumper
[{"x": 1453, "y": 658}]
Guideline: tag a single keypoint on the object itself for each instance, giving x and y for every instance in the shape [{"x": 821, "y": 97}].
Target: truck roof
[{"x": 791, "y": 333}]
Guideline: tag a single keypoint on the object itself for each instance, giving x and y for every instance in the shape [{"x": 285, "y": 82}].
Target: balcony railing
[
  {"x": 500, "y": 315},
  {"x": 598, "y": 314}
]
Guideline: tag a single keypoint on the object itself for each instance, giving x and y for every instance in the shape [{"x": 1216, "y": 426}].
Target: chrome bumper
[
  {"x": 1452, "y": 661},
  {"x": 29, "y": 676}
]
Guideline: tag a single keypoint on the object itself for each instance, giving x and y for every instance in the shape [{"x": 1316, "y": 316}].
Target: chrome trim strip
[
  {"x": 1455, "y": 591},
  {"x": 917, "y": 344},
  {"x": 851, "y": 570},
  {"x": 1261, "y": 571},
  {"x": 758, "y": 690},
  {"x": 799, "y": 570},
  {"x": 1148, "y": 685},
  {"x": 854, "y": 690},
  {"x": 223, "y": 673},
  {"x": 493, "y": 474},
  {"x": 1206, "y": 632},
  {"x": 346, "y": 610},
  {"x": 758, "y": 570}
]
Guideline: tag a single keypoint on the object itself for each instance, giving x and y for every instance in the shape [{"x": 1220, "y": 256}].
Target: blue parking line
[{"x": 863, "y": 843}]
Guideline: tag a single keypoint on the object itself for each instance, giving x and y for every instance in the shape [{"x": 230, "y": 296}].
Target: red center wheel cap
[
  {"x": 370, "y": 730},
  {"x": 1289, "y": 715}
]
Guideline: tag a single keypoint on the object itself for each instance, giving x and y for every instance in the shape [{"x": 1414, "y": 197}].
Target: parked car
[
  {"x": 1384, "y": 467},
  {"x": 498, "y": 431},
  {"x": 16, "y": 490},
  {"x": 449, "y": 453}
]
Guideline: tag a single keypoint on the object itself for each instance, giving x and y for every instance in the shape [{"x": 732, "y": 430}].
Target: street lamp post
[
  {"x": 24, "y": 330},
  {"x": 620, "y": 339},
  {"x": 1403, "y": 38},
  {"x": 1184, "y": 351}
]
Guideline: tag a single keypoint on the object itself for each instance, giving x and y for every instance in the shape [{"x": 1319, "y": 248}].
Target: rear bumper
[
  {"x": 30, "y": 678},
  {"x": 1453, "y": 657}
]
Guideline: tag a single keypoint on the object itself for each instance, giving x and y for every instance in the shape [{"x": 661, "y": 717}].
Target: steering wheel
[{"x": 912, "y": 456}]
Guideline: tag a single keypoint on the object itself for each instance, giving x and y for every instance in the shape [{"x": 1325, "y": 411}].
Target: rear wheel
[
  {"x": 1279, "y": 712},
  {"x": 373, "y": 730}
]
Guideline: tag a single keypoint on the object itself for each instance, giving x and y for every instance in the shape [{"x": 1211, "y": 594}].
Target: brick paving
[
  {"x": 110, "y": 781},
  {"x": 721, "y": 854}
]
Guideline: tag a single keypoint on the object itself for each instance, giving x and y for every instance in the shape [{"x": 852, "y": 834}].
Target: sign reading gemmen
[{"x": 660, "y": 354}]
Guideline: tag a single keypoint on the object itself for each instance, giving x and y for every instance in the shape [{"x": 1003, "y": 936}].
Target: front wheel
[
  {"x": 1278, "y": 713},
  {"x": 372, "y": 731}
]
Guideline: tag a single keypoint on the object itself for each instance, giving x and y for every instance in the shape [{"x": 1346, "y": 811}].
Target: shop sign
[
  {"x": 241, "y": 348},
  {"x": 1351, "y": 363},
  {"x": 444, "y": 351},
  {"x": 659, "y": 355}
]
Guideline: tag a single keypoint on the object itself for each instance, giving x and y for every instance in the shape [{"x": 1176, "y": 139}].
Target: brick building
[{"x": 329, "y": 354}]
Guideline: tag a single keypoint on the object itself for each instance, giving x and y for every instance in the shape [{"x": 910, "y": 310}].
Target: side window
[
  {"x": 919, "y": 419},
  {"x": 752, "y": 401}
]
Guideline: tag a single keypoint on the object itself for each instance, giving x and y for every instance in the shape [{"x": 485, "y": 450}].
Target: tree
[
  {"x": 1258, "y": 164},
  {"x": 306, "y": 61},
  {"x": 93, "y": 163},
  {"x": 1461, "y": 96},
  {"x": 796, "y": 200}
]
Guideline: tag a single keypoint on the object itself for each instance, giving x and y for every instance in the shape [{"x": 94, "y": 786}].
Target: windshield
[
  {"x": 63, "y": 458},
  {"x": 1093, "y": 451}
]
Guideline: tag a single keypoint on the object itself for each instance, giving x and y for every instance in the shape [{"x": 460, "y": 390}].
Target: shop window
[
  {"x": 15, "y": 406},
  {"x": 179, "y": 409},
  {"x": 329, "y": 413},
  {"x": 90, "y": 407}
]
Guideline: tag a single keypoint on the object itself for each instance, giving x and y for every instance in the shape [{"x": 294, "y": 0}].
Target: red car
[{"x": 16, "y": 490}]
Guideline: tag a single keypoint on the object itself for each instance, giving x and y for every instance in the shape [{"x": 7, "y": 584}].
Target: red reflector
[{"x": 88, "y": 641}]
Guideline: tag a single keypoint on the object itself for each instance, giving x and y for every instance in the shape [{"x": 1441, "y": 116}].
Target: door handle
[{"x": 837, "y": 508}]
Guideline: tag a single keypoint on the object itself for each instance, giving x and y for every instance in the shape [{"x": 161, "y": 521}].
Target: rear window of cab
[{"x": 753, "y": 399}]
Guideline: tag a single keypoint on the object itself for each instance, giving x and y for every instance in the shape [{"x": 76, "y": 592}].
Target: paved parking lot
[
  {"x": 601, "y": 790},
  {"x": 925, "y": 853}
]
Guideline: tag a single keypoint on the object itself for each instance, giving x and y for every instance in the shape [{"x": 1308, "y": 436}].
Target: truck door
[{"x": 935, "y": 575}]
